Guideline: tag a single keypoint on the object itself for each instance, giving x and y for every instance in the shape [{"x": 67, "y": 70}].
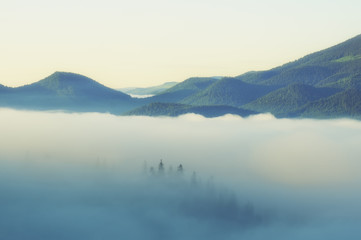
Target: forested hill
[
  {"x": 303, "y": 88},
  {"x": 184, "y": 89},
  {"x": 69, "y": 92},
  {"x": 343, "y": 104},
  {"x": 63, "y": 84},
  {"x": 325, "y": 84},
  {"x": 228, "y": 91},
  {"x": 287, "y": 100}
]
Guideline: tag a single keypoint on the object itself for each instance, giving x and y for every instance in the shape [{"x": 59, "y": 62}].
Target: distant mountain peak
[
  {"x": 65, "y": 74},
  {"x": 66, "y": 77},
  {"x": 72, "y": 85},
  {"x": 67, "y": 91}
]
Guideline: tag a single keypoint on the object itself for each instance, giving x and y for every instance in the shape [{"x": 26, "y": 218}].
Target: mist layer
[{"x": 97, "y": 176}]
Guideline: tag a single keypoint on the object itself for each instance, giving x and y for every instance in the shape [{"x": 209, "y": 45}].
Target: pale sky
[{"x": 123, "y": 43}]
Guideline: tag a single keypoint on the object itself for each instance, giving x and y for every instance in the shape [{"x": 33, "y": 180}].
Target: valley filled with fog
[{"x": 97, "y": 176}]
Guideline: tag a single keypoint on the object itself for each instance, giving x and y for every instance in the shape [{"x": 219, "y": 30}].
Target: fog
[{"x": 97, "y": 176}]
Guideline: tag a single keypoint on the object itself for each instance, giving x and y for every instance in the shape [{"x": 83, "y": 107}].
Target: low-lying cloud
[{"x": 88, "y": 176}]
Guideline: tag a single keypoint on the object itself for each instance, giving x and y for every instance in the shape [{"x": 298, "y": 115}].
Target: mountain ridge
[
  {"x": 326, "y": 83},
  {"x": 343, "y": 104},
  {"x": 177, "y": 109},
  {"x": 311, "y": 68},
  {"x": 148, "y": 90},
  {"x": 70, "y": 92},
  {"x": 65, "y": 83},
  {"x": 228, "y": 91},
  {"x": 184, "y": 89},
  {"x": 289, "y": 98}
]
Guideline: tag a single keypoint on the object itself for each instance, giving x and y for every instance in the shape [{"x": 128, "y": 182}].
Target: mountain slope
[
  {"x": 176, "y": 109},
  {"x": 68, "y": 91},
  {"x": 318, "y": 69},
  {"x": 342, "y": 81},
  {"x": 343, "y": 104},
  {"x": 183, "y": 90},
  {"x": 72, "y": 85},
  {"x": 285, "y": 100},
  {"x": 228, "y": 91},
  {"x": 149, "y": 90}
]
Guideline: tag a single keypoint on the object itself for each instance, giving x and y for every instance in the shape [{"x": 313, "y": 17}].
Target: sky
[{"x": 141, "y": 43}]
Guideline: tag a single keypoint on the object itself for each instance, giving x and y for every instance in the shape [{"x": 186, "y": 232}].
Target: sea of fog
[{"x": 98, "y": 176}]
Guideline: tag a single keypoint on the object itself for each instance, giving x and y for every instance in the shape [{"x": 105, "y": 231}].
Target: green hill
[
  {"x": 342, "y": 81},
  {"x": 184, "y": 89},
  {"x": 322, "y": 68},
  {"x": 68, "y": 91},
  {"x": 343, "y": 104},
  {"x": 228, "y": 91},
  {"x": 176, "y": 109},
  {"x": 286, "y": 100},
  {"x": 71, "y": 85},
  {"x": 282, "y": 91}
]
